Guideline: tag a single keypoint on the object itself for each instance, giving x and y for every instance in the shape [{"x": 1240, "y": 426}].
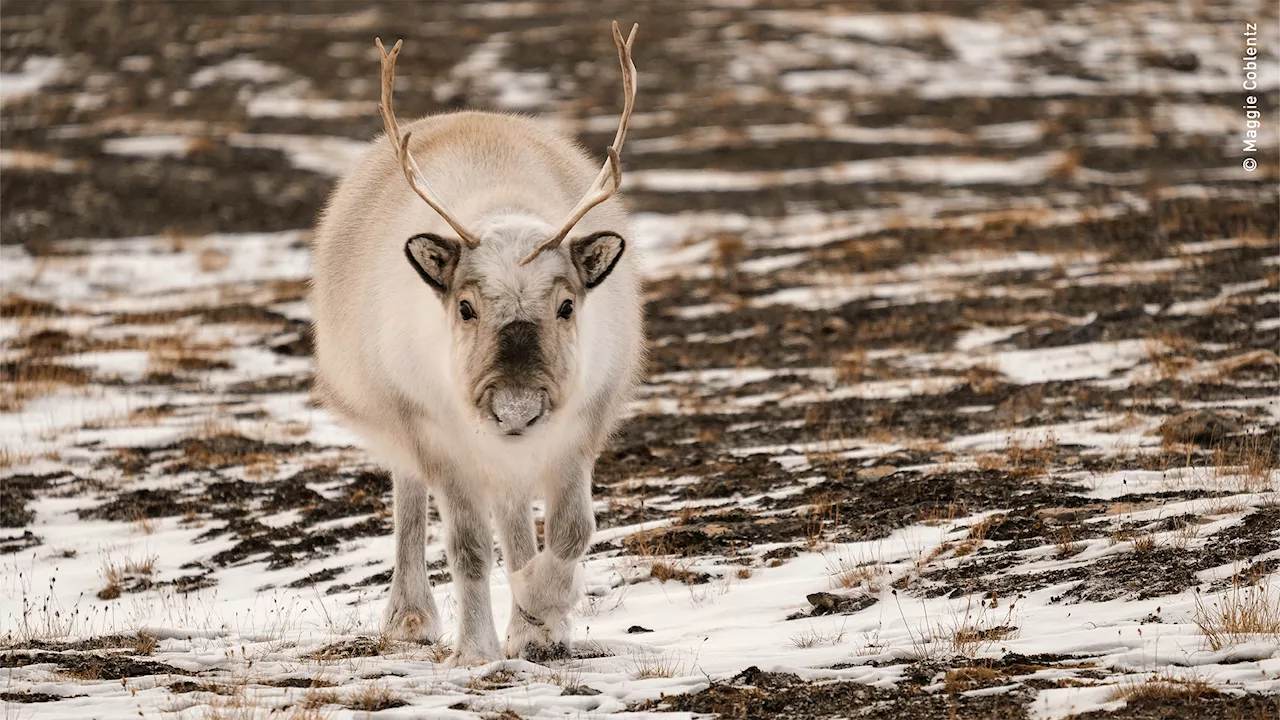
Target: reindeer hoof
[{"x": 412, "y": 626}]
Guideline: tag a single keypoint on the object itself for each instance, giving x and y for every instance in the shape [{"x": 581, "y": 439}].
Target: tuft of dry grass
[
  {"x": 1239, "y": 613},
  {"x": 970, "y": 678},
  {"x": 970, "y": 638},
  {"x": 10, "y": 457},
  {"x": 647, "y": 665},
  {"x": 813, "y": 638},
  {"x": 1066, "y": 544},
  {"x": 496, "y": 680},
  {"x": 991, "y": 461},
  {"x": 115, "y": 576},
  {"x": 983, "y": 379},
  {"x": 1254, "y": 456},
  {"x": 318, "y": 698},
  {"x": 1144, "y": 543},
  {"x": 847, "y": 571},
  {"x": 1163, "y": 689},
  {"x": 212, "y": 260},
  {"x": 439, "y": 651},
  {"x": 663, "y": 571},
  {"x": 1029, "y": 461},
  {"x": 942, "y": 515},
  {"x": 851, "y": 367},
  {"x": 974, "y": 539},
  {"x": 728, "y": 251},
  {"x": 372, "y": 698},
  {"x": 1169, "y": 354},
  {"x": 145, "y": 644},
  {"x": 27, "y": 379}
]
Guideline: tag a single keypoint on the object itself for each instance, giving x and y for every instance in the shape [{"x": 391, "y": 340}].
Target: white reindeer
[{"x": 483, "y": 358}]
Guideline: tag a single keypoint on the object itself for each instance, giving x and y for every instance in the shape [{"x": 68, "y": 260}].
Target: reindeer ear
[
  {"x": 434, "y": 257},
  {"x": 596, "y": 255}
]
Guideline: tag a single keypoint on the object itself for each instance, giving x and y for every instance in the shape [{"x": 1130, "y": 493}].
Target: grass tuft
[{"x": 1238, "y": 614}]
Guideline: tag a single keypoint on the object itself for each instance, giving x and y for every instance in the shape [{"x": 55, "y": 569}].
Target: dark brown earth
[{"x": 757, "y": 505}]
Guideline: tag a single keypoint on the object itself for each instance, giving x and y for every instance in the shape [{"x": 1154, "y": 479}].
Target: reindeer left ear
[
  {"x": 435, "y": 258},
  {"x": 596, "y": 255}
]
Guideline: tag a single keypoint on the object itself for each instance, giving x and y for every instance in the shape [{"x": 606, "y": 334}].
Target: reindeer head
[{"x": 513, "y": 321}]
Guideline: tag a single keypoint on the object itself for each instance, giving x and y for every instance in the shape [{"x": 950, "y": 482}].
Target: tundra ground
[{"x": 963, "y": 322}]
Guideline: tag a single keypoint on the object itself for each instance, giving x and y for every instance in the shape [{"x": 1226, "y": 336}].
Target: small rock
[
  {"x": 825, "y": 603},
  {"x": 1200, "y": 427},
  {"x": 878, "y": 472}
]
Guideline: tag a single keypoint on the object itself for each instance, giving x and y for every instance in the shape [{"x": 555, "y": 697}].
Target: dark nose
[
  {"x": 519, "y": 352},
  {"x": 516, "y": 410}
]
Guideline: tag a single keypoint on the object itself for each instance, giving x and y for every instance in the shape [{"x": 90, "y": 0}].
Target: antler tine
[
  {"x": 609, "y": 179},
  {"x": 401, "y": 144}
]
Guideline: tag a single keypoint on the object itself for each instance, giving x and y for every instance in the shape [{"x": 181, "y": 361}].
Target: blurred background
[
  {"x": 136, "y": 118},
  {"x": 946, "y": 298}
]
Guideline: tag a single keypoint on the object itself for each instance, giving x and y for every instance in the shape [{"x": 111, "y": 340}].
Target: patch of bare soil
[{"x": 754, "y": 694}]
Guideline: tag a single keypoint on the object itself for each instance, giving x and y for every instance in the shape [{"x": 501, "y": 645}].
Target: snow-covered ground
[{"x": 963, "y": 384}]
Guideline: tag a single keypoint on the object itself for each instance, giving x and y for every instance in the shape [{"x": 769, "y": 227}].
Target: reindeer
[{"x": 484, "y": 352}]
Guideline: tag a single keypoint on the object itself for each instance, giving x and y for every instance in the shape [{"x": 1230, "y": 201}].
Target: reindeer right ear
[{"x": 434, "y": 257}]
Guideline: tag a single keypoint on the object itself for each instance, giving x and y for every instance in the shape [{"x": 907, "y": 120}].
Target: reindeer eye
[
  {"x": 466, "y": 311},
  {"x": 566, "y": 309}
]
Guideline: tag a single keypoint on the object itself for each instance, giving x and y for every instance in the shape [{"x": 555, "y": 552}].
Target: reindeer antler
[
  {"x": 610, "y": 177},
  {"x": 401, "y": 145}
]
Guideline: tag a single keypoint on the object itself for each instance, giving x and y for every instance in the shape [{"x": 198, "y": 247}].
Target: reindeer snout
[{"x": 517, "y": 410}]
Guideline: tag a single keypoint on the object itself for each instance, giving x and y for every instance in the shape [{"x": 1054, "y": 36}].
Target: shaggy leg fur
[
  {"x": 519, "y": 547},
  {"x": 411, "y": 613},
  {"x": 547, "y": 588},
  {"x": 469, "y": 545}
]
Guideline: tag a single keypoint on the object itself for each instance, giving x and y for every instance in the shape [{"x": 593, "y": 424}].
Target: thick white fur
[{"x": 386, "y": 364}]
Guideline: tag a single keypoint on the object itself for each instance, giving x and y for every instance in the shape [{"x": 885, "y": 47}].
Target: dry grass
[
  {"x": 1030, "y": 461},
  {"x": 1066, "y": 544},
  {"x": 27, "y": 379},
  {"x": 847, "y": 571},
  {"x": 173, "y": 354},
  {"x": 10, "y": 457},
  {"x": 115, "y": 576},
  {"x": 647, "y": 543},
  {"x": 991, "y": 461},
  {"x": 146, "y": 644},
  {"x": 851, "y": 367},
  {"x": 318, "y": 698},
  {"x": 727, "y": 252},
  {"x": 970, "y": 678},
  {"x": 212, "y": 260},
  {"x": 218, "y": 444},
  {"x": 971, "y": 637},
  {"x": 1144, "y": 543},
  {"x": 1169, "y": 355},
  {"x": 1163, "y": 689},
  {"x": 813, "y": 638},
  {"x": 974, "y": 539},
  {"x": 966, "y": 633},
  {"x": 439, "y": 651},
  {"x": 372, "y": 697},
  {"x": 942, "y": 515},
  {"x": 1253, "y": 456},
  {"x": 983, "y": 379},
  {"x": 500, "y": 678},
  {"x": 647, "y": 666},
  {"x": 1240, "y": 613},
  {"x": 663, "y": 571},
  {"x": 816, "y": 521}
]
